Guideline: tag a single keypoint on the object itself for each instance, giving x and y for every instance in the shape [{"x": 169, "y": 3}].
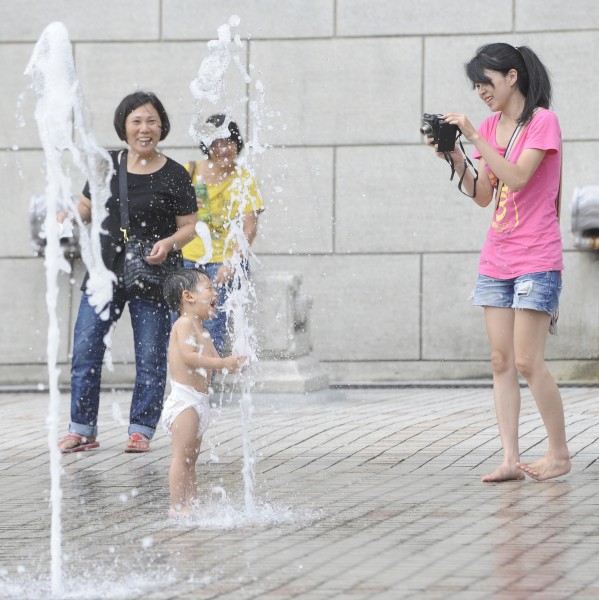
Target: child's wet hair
[{"x": 178, "y": 282}]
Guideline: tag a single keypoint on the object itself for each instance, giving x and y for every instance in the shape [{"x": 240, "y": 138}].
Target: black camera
[{"x": 443, "y": 134}]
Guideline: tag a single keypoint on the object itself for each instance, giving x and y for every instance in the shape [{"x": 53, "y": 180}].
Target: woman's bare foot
[
  {"x": 546, "y": 468},
  {"x": 504, "y": 473}
]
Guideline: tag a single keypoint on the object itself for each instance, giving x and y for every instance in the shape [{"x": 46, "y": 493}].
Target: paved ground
[{"x": 359, "y": 494}]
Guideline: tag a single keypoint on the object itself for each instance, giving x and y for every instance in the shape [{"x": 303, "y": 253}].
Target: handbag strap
[
  {"x": 192, "y": 169},
  {"x": 123, "y": 195}
]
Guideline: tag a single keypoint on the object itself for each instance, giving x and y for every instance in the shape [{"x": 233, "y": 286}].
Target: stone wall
[{"x": 356, "y": 204}]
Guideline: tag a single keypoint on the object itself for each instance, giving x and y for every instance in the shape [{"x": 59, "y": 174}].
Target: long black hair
[{"x": 533, "y": 78}]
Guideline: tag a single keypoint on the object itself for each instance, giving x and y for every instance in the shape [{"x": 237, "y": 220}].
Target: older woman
[{"x": 162, "y": 208}]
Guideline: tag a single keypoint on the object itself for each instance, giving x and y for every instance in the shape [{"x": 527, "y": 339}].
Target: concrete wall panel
[
  {"x": 400, "y": 199},
  {"x": 25, "y": 326},
  {"x": 259, "y": 18},
  {"x": 23, "y": 175},
  {"x": 453, "y": 329},
  {"x": 565, "y": 55},
  {"x": 428, "y": 17},
  {"x": 355, "y": 201},
  {"x": 342, "y": 91},
  {"x": 106, "y": 20},
  {"x": 365, "y": 307},
  {"x": 17, "y": 102},
  {"x": 556, "y": 15},
  {"x": 130, "y": 67},
  {"x": 297, "y": 189}
]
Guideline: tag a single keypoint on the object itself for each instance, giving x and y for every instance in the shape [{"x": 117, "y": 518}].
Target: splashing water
[
  {"x": 59, "y": 109},
  {"x": 208, "y": 89},
  {"x": 218, "y": 511}
]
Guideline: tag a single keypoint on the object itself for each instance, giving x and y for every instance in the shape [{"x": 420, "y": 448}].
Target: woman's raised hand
[
  {"x": 462, "y": 121},
  {"x": 159, "y": 251}
]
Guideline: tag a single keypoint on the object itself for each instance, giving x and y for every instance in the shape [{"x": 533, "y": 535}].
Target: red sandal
[
  {"x": 81, "y": 444},
  {"x": 138, "y": 443}
]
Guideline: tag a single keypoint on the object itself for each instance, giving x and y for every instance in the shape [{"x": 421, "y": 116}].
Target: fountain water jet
[
  {"x": 59, "y": 110},
  {"x": 208, "y": 87}
]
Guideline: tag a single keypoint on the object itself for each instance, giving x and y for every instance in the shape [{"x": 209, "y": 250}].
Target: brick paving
[{"x": 360, "y": 494}]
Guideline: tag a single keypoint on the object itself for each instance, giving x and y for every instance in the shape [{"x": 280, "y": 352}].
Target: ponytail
[
  {"x": 533, "y": 78},
  {"x": 538, "y": 92}
]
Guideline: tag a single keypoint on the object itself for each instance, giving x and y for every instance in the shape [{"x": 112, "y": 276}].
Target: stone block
[
  {"x": 367, "y": 18},
  {"x": 365, "y": 307},
  {"x": 452, "y": 329},
  {"x": 578, "y": 334},
  {"x": 342, "y": 91},
  {"x": 106, "y": 20},
  {"x": 300, "y": 375},
  {"x": 282, "y": 315},
  {"x": 149, "y": 66},
  {"x": 297, "y": 189},
  {"x": 259, "y": 19},
  {"x": 400, "y": 199},
  {"x": 407, "y": 372},
  {"x": 555, "y": 15},
  {"x": 578, "y": 171}
]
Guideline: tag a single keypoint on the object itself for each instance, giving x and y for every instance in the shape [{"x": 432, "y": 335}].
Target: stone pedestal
[{"x": 282, "y": 322}]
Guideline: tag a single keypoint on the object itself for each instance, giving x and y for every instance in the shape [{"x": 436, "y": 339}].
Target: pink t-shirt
[{"x": 524, "y": 236}]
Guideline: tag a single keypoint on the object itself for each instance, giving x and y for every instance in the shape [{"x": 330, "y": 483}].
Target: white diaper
[{"x": 180, "y": 398}]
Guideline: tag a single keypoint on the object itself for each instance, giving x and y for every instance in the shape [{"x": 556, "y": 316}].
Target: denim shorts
[{"x": 536, "y": 291}]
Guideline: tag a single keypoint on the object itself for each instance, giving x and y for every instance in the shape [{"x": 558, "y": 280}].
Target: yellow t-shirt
[{"x": 218, "y": 205}]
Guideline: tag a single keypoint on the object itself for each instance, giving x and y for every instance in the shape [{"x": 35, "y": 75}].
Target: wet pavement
[{"x": 360, "y": 494}]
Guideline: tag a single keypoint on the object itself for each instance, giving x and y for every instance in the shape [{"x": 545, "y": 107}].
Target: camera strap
[{"x": 449, "y": 160}]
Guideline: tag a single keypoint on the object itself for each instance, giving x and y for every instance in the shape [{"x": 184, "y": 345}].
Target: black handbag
[{"x": 139, "y": 276}]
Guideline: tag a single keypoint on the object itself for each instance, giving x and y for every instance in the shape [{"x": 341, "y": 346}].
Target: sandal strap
[{"x": 82, "y": 439}]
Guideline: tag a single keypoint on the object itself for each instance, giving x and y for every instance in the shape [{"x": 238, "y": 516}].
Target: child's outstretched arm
[{"x": 195, "y": 355}]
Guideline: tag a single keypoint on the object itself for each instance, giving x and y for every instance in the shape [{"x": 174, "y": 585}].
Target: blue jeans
[
  {"x": 151, "y": 330},
  {"x": 217, "y": 326},
  {"x": 535, "y": 291}
]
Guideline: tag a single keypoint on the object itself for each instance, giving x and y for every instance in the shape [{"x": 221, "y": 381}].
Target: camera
[{"x": 442, "y": 133}]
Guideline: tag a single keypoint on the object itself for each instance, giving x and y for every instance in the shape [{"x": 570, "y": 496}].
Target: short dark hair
[
  {"x": 234, "y": 133},
  {"x": 533, "y": 78},
  {"x": 129, "y": 103},
  {"x": 178, "y": 282}
]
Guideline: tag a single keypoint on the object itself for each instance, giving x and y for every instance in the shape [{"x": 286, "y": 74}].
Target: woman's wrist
[{"x": 174, "y": 240}]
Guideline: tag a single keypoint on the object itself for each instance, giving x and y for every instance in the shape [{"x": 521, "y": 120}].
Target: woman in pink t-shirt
[{"x": 519, "y": 280}]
